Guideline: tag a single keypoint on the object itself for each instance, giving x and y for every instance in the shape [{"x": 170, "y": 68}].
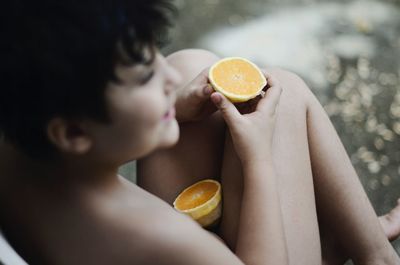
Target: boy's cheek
[{"x": 152, "y": 114}]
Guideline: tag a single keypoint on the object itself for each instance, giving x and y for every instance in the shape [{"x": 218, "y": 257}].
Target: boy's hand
[
  {"x": 252, "y": 132},
  {"x": 193, "y": 100}
]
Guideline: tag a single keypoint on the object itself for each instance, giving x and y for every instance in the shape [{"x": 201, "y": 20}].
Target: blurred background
[{"x": 348, "y": 52}]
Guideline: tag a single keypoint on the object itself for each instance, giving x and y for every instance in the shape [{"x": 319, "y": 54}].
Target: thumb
[{"x": 229, "y": 112}]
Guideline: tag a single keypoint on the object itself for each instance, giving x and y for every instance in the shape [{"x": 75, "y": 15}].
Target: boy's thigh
[
  {"x": 293, "y": 166},
  {"x": 198, "y": 153},
  {"x": 191, "y": 62}
]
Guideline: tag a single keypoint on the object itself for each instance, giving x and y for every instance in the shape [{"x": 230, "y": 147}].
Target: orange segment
[
  {"x": 237, "y": 78},
  {"x": 201, "y": 201}
]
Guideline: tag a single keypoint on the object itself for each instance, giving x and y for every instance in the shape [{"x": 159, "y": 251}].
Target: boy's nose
[{"x": 173, "y": 78}]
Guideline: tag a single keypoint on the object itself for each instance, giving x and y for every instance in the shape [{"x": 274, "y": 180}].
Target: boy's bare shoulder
[{"x": 168, "y": 238}]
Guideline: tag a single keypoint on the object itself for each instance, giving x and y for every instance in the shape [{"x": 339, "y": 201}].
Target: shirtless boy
[{"x": 84, "y": 90}]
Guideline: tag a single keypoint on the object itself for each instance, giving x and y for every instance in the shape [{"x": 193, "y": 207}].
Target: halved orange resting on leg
[
  {"x": 237, "y": 78},
  {"x": 201, "y": 201}
]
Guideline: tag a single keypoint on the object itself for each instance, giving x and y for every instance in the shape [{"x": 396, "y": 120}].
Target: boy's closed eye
[
  {"x": 138, "y": 75},
  {"x": 148, "y": 72},
  {"x": 146, "y": 77}
]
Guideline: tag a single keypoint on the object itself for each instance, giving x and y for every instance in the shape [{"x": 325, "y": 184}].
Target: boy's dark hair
[{"x": 57, "y": 57}]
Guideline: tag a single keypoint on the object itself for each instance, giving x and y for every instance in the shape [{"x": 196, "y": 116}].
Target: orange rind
[{"x": 201, "y": 201}]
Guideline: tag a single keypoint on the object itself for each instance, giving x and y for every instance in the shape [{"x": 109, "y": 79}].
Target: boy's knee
[
  {"x": 293, "y": 86},
  {"x": 191, "y": 62}
]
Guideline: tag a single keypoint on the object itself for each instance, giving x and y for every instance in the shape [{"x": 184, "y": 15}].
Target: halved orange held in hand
[
  {"x": 201, "y": 201},
  {"x": 237, "y": 78}
]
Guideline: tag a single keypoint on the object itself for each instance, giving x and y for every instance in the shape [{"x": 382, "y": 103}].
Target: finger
[
  {"x": 269, "y": 102},
  {"x": 200, "y": 87},
  {"x": 271, "y": 80},
  {"x": 228, "y": 110}
]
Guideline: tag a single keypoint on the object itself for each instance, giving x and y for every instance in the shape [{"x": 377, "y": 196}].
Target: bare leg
[
  {"x": 343, "y": 206},
  {"x": 334, "y": 254},
  {"x": 391, "y": 222}
]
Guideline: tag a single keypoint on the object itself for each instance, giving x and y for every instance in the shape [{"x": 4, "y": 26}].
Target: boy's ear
[{"x": 68, "y": 136}]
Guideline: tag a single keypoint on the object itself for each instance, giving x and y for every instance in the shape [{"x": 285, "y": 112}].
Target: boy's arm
[
  {"x": 260, "y": 231},
  {"x": 261, "y": 234},
  {"x": 165, "y": 185},
  {"x": 260, "y": 241},
  {"x": 184, "y": 243}
]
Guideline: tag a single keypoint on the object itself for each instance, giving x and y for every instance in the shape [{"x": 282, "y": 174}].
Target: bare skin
[
  {"x": 113, "y": 223},
  {"x": 303, "y": 136},
  {"x": 391, "y": 222},
  {"x": 75, "y": 209},
  {"x": 333, "y": 252}
]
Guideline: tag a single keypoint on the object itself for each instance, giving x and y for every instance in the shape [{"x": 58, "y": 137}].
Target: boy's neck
[{"x": 17, "y": 168}]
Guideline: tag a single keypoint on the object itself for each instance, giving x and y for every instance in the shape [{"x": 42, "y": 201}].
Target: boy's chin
[{"x": 170, "y": 136}]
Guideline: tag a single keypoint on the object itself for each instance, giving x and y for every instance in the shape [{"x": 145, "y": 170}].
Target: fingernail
[
  {"x": 207, "y": 90},
  {"x": 217, "y": 99}
]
